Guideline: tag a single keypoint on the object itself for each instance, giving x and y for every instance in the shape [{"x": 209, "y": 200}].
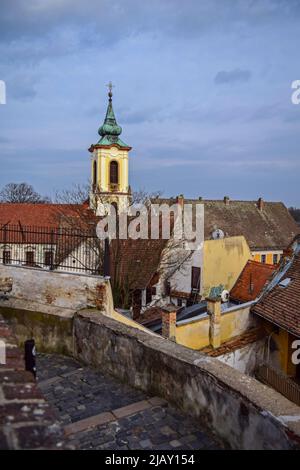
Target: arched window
[
  {"x": 95, "y": 173},
  {"x": 115, "y": 205},
  {"x": 114, "y": 173}
]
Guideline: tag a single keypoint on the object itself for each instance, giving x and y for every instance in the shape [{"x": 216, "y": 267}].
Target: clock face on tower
[{"x": 114, "y": 151}]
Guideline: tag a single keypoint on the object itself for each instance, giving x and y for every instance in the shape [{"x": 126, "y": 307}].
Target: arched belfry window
[
  {"x": 115, "y": 206},
  {"x": 113, "y": 172},
  {"x": 95, "y": 173}
]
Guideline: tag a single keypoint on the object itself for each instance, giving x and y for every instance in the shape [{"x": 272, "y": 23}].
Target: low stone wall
[
  {"x": 26, "y": 419},
  {"x": 242, "y": 412},
  {"x": 43, "y": 291}
]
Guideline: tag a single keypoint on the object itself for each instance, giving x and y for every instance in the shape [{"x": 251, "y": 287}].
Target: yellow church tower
[{"x": 109, "y": 165}]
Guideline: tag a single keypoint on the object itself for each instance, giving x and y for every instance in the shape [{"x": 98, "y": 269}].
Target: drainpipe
[
  {"x": 268, "y": 352},
  {"x": 214, "y": 311},
  {"x": 269, "y": 341}
]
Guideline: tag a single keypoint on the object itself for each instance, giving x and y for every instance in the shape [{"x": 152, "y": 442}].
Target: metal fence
[
  {"x": 52, "y": 248},
  {"x": 280, "y": 382}
]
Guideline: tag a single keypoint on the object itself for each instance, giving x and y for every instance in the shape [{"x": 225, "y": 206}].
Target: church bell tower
[{"x": 109, "y": 165}]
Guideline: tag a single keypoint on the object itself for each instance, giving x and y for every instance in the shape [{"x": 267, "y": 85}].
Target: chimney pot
[
  {"x": 180, "y": 199},
  {"x": 260, "y": 204}
]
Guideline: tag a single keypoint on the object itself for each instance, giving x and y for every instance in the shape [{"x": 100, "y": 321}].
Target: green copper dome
[{"x": 110, "y": 130}]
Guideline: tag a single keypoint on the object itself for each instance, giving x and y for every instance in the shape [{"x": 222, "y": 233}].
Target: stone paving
[{"x": 99, "y": 412}]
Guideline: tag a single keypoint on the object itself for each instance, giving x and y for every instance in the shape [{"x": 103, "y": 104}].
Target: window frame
[
  {"x": 4, "y": 259},
  {"x": 196, "y": 286},
  {"x": 31, "y": 253},
  {"x": 115, "y": 173},
  {"x": 47, "y": 253}
]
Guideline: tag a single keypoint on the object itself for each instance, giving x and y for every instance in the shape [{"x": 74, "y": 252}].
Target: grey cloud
[
  {"x": 232, "y": 76},
  {"x": 21, "y": 87},
  {"x": 116, "y": 19}
]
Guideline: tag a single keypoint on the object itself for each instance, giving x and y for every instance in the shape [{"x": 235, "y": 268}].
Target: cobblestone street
[{"x": 98, "y": 412}]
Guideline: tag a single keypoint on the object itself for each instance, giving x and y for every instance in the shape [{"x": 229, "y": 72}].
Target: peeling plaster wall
[
  {"x": 42, "y": 304},
  {"x": 245, "y": 359},
  {"x": 44, "y": 291}
]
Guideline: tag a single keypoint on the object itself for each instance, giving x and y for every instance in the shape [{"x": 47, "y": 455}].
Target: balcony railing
[
  {"x": 52, "y": 248},
  {"x": 280, "y": 382}
]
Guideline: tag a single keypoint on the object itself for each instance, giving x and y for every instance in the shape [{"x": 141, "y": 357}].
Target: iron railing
[
  {"x": 279, "y": 381},
  {"x": 52, "y": 248}
]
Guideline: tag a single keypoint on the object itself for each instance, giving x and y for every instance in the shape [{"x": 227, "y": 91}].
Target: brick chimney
[
  {"x": 260, "y": 204},
  {"x": 136, "y": 304},
  {"x": 226, "y": 200},
  {"x": 169, "y": 314},
  {"x": 180, "y": 200},
  {"x": 214, "y": 311}
]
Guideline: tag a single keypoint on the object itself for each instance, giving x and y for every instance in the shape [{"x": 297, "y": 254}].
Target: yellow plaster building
[{"x": 223, "y": 261}]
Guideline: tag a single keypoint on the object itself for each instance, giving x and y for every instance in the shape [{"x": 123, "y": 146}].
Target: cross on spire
[{"x": 110, "y": 86}]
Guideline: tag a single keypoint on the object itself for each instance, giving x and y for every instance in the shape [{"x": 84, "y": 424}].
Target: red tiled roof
[
  {"x": 282, "y": 304},
  {"x": 152, "y": 314},
  {"x": 62, "y": 225},
  {"x": 251, "y": 281},
  {"x": 135, "y": 262},
  {"x": 39, "y": 215}
]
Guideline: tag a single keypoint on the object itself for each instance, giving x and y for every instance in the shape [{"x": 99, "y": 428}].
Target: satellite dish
[
  {"x": 225, "y": 296},
  {"x": 218, "y": 234}
]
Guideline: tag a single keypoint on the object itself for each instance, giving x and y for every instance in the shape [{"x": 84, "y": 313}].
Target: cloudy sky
[{"x": 202, "y": 91}]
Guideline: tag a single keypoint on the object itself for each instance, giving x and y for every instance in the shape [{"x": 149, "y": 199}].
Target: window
[
  {"x": 275, "y": 259},
  {"x": 114, "y": 173},
  {"x": 115, "y": 206},
  {"x": 48, "y": 258},
  {"x": 29, "y": 258},
  {"x": 95, "y": 173},
  {"x": 167, "y": 287},
  {"x": 6, "y": 257},
  {"x": 195, "y": 280},
  {"x": 179, "y": 302},
  {"x": 148, "y": 295},
  {"x": 263, "y": 258}
]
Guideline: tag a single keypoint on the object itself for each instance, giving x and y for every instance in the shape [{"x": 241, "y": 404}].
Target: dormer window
[{"x": 285, "y": 282}]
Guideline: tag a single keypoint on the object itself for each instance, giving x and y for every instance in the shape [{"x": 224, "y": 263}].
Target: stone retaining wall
[{"x": 241, "y": 411}]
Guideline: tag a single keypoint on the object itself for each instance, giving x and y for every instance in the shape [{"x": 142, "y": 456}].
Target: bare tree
[
  {"x": 137, "y": 263},
  {"x": 21, "y": 193},
  {"x": 127, "y": 269},
  {"x": 77, "y": 194}
]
